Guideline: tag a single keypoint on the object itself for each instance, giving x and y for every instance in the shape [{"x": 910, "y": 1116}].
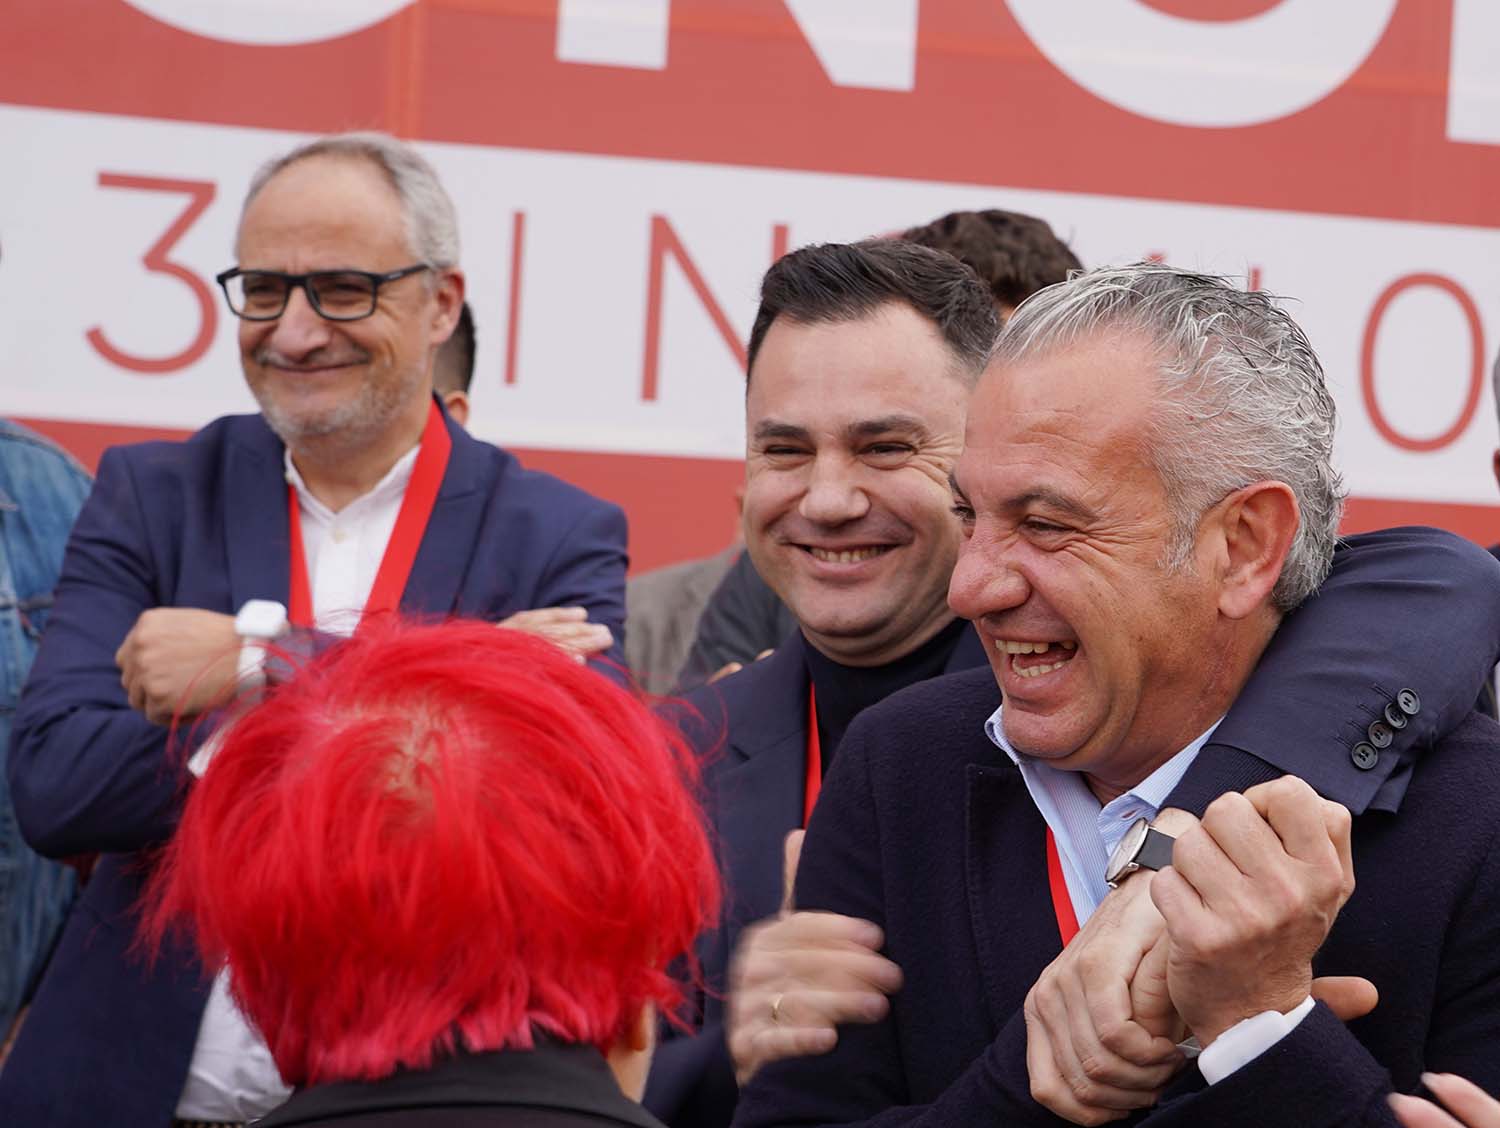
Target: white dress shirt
[
  {"x": 231, "y": 1075},
  {"x": 1087, "y": 834}
]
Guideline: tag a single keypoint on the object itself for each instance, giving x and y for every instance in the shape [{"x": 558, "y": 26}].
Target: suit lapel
[
  {"x": 253, "y": 507},
  {"x": 759, "y": 794},
  {"x": 1015, "y": 928},
  {"x": 452, "y": 533}
]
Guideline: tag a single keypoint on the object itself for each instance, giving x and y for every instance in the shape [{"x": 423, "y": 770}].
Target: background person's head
[
  {"x": 453, "y": 367},
  {"x": 1015, "y": 255},
  {"x": 359, "y": 202},
  {"x": 860, "y": 361},
  {"x": 442, "y": 838},
  {"x": 1149, "y": 486}
]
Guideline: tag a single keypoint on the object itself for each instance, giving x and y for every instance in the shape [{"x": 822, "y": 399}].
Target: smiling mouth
[
  {"x": 1033, "y": 659},
  {"x": 846, "y": 555}
]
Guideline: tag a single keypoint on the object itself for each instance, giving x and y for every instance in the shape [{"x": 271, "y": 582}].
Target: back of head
[
  {"x": 1014, "y": 255},
  {"x": 431, "y": 221},
  {"x": 836, "y": 282},
  {"x": 440, "y": 838},
  {"x": 1242, "y": 397}
]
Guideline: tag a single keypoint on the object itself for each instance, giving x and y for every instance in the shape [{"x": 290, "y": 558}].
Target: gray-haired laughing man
[{"x": 1146, "y": 497}]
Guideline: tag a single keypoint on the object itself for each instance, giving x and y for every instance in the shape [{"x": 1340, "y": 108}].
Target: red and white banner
[{"x": 625, "y": 170}]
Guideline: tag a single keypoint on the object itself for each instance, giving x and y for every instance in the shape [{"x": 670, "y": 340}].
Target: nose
[
  {"x": 986, "y": 579},
  {"x": 834, "y": 495},
  {"x": 300, "y": 329}
]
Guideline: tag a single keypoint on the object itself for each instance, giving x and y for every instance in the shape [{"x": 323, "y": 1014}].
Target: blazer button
[
  {"x": 1395, "y": 717},
  {"x": 1408, "y": 702},
  {"x": 1380, "y": 734},
  {"x": 1364, "y": 756}
]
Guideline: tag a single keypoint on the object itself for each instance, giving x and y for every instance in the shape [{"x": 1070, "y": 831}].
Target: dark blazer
[
  {"x": 203, "y": 523},
  {"x": 550, "y": 1087},
  {"x": 1403, "y": 609},
  {"x": 751, "y": 731},
  {"x": 926, "y": 828}
]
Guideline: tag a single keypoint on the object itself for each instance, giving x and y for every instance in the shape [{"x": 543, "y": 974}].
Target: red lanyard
[
  {"x": 1062, "y": 900},
  {"x": 814, "y": 758},
  {"x": 406, "y": 535}
]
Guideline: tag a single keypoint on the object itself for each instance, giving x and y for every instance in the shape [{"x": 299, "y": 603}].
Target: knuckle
[
  {"x": 1226, "y": 806},
  {"x": 1117, "y": 1036},
  {"x": 1095, "y": 1068},
  {"x": 1338, "y": 818}
]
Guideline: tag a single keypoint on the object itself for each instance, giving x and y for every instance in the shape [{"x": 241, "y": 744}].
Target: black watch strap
[{"x": 1156, "y": 851}]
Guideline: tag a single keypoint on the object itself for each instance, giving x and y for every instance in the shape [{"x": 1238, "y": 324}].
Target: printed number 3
[{"x": 156, "y": 260}]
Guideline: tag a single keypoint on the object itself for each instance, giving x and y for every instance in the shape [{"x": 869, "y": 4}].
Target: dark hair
[
  {"x": 846, "y": 281},
  {"x": 453, "y": 368},
  {"x": 1014, "y": 255}
]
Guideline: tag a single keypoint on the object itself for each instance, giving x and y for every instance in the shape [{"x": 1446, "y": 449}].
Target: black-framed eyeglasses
[{"x": 339, "y": 295}]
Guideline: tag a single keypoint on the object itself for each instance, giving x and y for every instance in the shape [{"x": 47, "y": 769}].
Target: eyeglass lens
[{"x": 333, "y": 293}]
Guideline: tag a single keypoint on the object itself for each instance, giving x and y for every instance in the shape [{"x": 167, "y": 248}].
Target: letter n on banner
[{"x": 664, "y": 242}]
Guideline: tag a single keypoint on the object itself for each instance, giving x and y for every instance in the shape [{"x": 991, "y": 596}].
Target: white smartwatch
[{"x": 260, "y": 621}]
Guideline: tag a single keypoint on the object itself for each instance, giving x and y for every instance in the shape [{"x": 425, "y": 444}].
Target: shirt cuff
[{"x": 1247, "y": 1039}]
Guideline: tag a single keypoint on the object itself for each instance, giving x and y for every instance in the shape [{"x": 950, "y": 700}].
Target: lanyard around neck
[
  {"x": 406, "y": 535},
  {"x": 1062, "y": 901}
]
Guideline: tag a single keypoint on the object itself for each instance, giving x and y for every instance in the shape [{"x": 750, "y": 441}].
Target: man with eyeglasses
[{"x": 351, "y": 494}]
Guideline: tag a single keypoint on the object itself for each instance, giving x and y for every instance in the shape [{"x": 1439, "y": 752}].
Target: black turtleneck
[{"x": 843, "y": 692}]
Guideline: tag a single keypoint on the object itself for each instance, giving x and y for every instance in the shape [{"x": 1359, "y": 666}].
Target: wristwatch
[
  {"x": 261, "y": 620},
  {"x": 1141, "y": 848}
]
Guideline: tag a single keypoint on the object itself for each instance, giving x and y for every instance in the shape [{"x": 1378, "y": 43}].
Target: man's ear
[
  {"x": 1252, "y": 531},
  {"x": 448, "y": 293},
  {"x": 457, "y": 403}
]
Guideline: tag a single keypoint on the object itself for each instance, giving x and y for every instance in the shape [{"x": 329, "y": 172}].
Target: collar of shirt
[
  {"x": 1086, "y": 832},
  {"x": 393, "y": 485},
  {"x": 343, "y": 550}
]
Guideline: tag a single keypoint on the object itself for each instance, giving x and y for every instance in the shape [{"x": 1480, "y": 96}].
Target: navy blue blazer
[
  {"x": 926, "y": 828},
  {"x": 203, "y": 523},
  {"x": 1403, "y": 608},
  {"x": 750, "y": 730}
]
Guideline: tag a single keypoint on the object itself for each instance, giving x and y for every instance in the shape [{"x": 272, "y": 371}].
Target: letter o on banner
[
  {"x": 271, "y": 23},
  {"x": 1213, "y": 74},
  {"x": 1476, "y": 365}
]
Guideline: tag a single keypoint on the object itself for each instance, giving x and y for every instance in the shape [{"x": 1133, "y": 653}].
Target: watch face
[{"x": 1127, "y": 850}]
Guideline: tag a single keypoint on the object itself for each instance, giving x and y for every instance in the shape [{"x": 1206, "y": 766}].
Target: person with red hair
[{"x": 448, "y": 869}]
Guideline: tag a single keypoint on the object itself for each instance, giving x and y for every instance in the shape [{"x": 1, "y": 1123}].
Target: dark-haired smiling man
[{"x": 861, "y": 363}]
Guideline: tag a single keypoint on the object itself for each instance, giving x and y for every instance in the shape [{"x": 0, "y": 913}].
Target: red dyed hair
[{"x": 440, "y": 837}]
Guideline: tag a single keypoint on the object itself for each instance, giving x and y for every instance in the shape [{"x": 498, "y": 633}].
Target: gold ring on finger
[{"x": 776, "y": 1008}]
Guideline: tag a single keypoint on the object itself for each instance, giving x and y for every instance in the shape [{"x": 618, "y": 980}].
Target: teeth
[
  {"x": 848, "y": 557},
  {"x": 1037, "y": 671},
  {"x": 1008, "y": 646}
]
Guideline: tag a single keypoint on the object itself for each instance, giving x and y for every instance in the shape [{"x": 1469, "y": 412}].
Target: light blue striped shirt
[{"x": 1086, "y": 832}]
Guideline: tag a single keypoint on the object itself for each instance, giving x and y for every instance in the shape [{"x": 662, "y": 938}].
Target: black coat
[
  {"x": 926, "y": 828},
  {"x": 1404, "y": 608},
  {"x": 549, "y": 1087}
]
